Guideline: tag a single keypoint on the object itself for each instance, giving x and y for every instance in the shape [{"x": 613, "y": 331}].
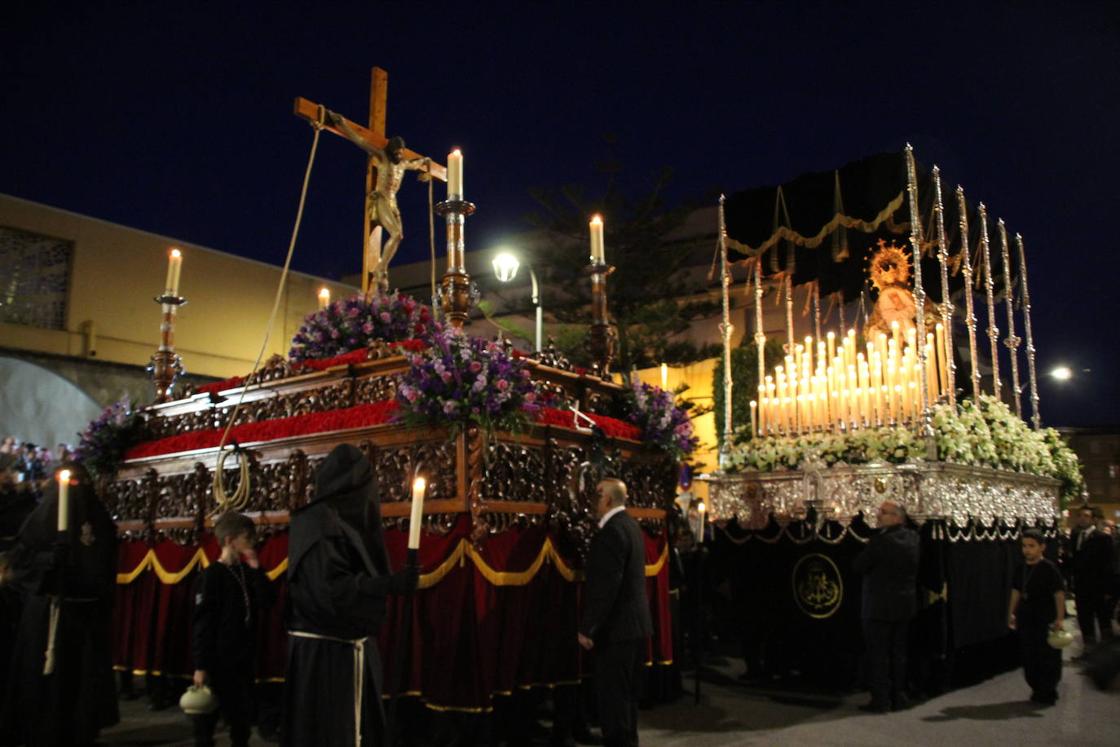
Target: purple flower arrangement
[
  {"x": 663, "y": 424},
  {"x": 105, "y": 440},
  {"x": 352, "y": 323},
  {"x": 460, "y": 380}
]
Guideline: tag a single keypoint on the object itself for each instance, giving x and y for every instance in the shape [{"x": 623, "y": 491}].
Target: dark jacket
[
  {"x": 889, "y": 566},
  {"x": 1092, "y": 563},
  {"x": 223, "y": 631},
  {"x": 615, "y": 606}
]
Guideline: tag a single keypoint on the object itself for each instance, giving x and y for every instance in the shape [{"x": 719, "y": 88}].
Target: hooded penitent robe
[
  {"x": 338, "y": 578},
  {"x": 70, "y": 705}
]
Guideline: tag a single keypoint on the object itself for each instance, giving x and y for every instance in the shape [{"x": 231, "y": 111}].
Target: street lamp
[
  {"x": 1061, "y": 373},
  {"x": 505, "y": 268}
]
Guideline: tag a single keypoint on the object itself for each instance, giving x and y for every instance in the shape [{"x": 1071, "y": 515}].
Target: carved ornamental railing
[{"x": 501, "y": 480}]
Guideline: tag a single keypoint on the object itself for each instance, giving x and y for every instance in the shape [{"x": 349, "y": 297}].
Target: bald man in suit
[{"x": 616, "y": 621}]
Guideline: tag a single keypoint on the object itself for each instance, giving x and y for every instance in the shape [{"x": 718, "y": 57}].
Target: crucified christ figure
[{"x": 381, "y": 202}]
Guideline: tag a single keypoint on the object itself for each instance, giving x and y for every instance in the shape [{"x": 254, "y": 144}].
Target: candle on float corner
[
  {"x": 597, "y": 253},
  {"x": 174, "y": 267},
  {"x": 324, "y": 298},
  {"x": 664, "y": 376},
  {"x": 754, "y": 417},
  {"x": 455, "y": 174},
  {"x": 63, "y": 500},
  {"x": 417, "y": 516}
]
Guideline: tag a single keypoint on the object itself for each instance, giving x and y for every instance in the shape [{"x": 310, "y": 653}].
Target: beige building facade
[{"x": 102, "y": 278}]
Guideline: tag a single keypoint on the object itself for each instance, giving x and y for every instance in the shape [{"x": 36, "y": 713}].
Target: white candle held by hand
[
  {"x": 417, "y": 517},
  {"x": 63, "y": 500}
]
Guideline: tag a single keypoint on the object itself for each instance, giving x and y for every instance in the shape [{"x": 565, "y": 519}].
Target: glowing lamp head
[
  {"x": 597, "y": 219},
  {"x": 418, "y": 486},
  {"x": 1061, "y": 373},
  {"x": 64, "y": 476},
  {"x": 324, "y": 298},
  {"x": 505, "y": 267},
  {"x": 176, "y": 254},
  {"x": 701, "y": 508}
]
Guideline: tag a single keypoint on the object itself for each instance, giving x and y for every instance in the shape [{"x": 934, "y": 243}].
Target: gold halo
[{"x": 890, "y": 265}]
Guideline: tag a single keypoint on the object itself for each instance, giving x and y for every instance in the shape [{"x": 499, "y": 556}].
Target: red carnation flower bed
[
  {"x": 354, "y": 356},
  {"x": 360, "y": 416},
  {"x": 611, "y": 426}
]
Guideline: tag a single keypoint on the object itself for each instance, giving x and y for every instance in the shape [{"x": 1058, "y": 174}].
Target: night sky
[{"x": 180, "y": 122}]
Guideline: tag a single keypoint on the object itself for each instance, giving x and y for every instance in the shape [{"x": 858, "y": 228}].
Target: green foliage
[
  {"x": 644, "y": 295},
  {"x": 744, "y": 385}
]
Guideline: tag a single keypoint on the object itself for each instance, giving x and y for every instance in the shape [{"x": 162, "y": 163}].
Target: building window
[{"x": 34, "y": 278}]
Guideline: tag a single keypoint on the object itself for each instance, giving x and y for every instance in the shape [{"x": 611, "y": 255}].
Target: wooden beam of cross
[{"x": 375, "y": 135}]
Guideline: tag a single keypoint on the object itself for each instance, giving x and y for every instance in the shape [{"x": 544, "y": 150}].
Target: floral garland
[
  {"x": 352, "y": 323},
  {"x": 984, "y": 433},
  {"x": 661, "y": 422},
  {"x": 462, "y": 379},
  {"x": 105, "y": 440}
]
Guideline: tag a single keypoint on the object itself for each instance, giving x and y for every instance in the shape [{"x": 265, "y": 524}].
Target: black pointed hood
[{"x": 344, "y": 486}]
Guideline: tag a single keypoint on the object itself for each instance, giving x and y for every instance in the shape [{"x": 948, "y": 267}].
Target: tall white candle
[
  {"x": 63, "y": 500},
  {"x": 417, "y": 517},
  {"x": 455, "y": 174},
  {"x": 174, "y": 267},
  {"x": 596, "y": 226},
  {"x": 664, "y": 376},
  {"x": 324, "y": 298}
]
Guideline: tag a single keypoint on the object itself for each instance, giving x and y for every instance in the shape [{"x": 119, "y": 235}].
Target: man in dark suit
[
  {"x": 889, "y": 566},
  {"x": 616, "y": 620},
  {"x": 1092, "y": 561}
]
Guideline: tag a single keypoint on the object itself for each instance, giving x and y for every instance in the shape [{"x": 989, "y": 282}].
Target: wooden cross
[{"x": 374, "y": 135}]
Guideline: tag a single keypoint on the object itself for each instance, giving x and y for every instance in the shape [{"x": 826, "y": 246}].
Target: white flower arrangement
[{"x": 984, "y": 433}]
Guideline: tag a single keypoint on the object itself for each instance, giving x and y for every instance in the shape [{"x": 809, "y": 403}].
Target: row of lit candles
[{"x": 833, "y": 386}]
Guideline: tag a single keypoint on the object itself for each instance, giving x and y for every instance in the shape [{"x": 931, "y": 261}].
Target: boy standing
[
  {"x": 229, "y": 595},
  {"x": 1038, "y": 605}
]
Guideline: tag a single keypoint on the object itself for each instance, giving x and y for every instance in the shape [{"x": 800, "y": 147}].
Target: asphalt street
[{"x": 995, "y": 711}]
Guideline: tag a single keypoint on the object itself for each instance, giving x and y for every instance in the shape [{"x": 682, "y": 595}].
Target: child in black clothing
[
  {"x": 229, "y": 595},
  {"x": 1038, "y": 605}
]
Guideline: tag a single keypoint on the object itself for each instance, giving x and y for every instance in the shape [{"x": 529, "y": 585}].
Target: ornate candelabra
[
  {"x": 969, "y": 306},
  {"x": 1012, "y": 340},
  {"x": 1036, "y": 420},
  {"x": 725, "y": 328},
  {"x": 602, "y": 335},
  {"x": 919, "y": 295},
  {"x": 989, "y": 295},
  {"x": 946, "y": 301},
  {"x": 457, "y": 294},
  {"x": 166, "y": 365}
]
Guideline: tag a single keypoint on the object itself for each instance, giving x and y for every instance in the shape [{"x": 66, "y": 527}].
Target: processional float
[
  {"x": 507, "y": 516},
  {"x": 842, "y": 423}
]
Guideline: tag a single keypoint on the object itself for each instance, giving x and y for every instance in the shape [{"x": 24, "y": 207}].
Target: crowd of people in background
[{"x": 26, "y": 462}]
